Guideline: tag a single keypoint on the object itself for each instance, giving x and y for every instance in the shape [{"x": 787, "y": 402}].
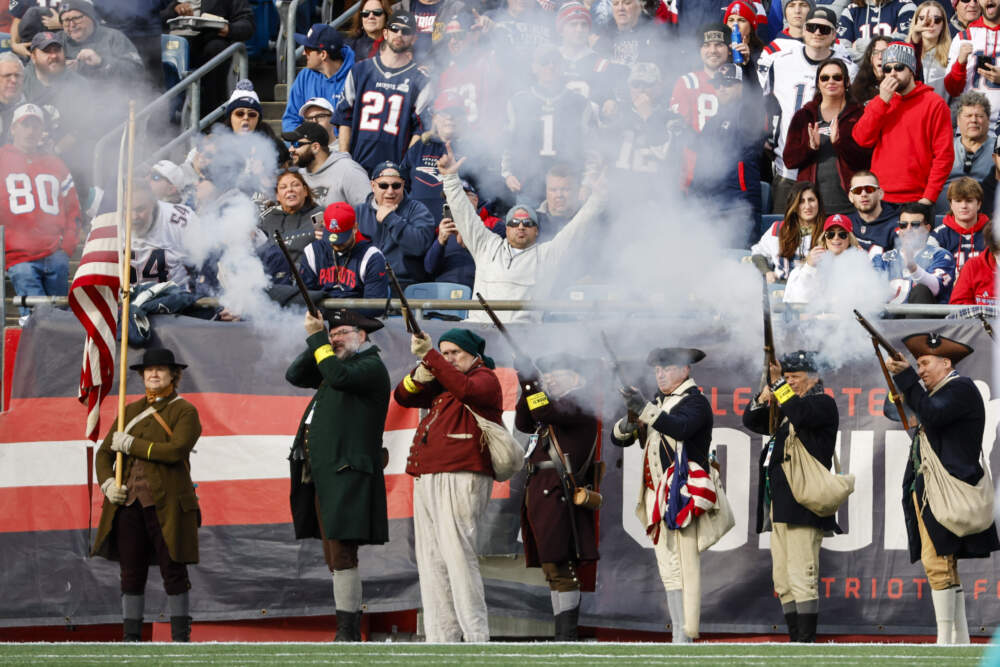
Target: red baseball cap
[
  {"x": 339, "y": 220},
  {"x": 743, "y": 9},
  {"x": 838, "y": 220}
]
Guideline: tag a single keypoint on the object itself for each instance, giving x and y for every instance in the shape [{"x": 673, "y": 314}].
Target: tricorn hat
[
  {"x": 674, "y": 356},
  {"x": 560, "y": 361},
  {"x": 158, "y": 356},
  {"x": 922, "y": 344},
  {"x": 798, "y": 361},
  {"x": 349, "y": 318}
]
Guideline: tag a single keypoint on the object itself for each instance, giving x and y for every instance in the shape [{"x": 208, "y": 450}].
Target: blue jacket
[
  {"x": 403, "y": 236},
  {"x": 450, "y": 263},
  {"x": 932, "y": 259},
  {"x": 310, "y": 83},
  {"x": 357, "y": 274}
]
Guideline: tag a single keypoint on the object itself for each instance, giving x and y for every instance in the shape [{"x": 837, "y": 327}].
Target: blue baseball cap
[{"x": 321, "y": 36}]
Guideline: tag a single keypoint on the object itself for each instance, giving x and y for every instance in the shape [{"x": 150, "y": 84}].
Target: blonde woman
[
  {"x": 805, "y": 283},
  {"x": 929, "y": 31}
]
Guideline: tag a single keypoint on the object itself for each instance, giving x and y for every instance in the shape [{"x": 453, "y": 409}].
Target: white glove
[
  {"x": 114, "y": 493},
  {"x": 420, "y": 345},
  {"x": 121, "y": 442},
  {"x": 422, "y": 374}
]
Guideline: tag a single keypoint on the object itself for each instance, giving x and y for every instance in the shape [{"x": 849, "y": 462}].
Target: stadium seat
[
  {"x": 766, "y": 221},
  {"x": 429, "y": 291},
  {"x": 582, "y": 292},
  {"x": 176, "y": 57},
  {"x": 4, "y": 42},
  {"x": 766, "y": 203},
  {"x": 938, "y": 220}
]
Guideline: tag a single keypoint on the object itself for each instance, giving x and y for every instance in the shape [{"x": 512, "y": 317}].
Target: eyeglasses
[
  {"x": 821, "y": 28},
  {"x": 339, "y": 333},
  {"x": 246, "y": 113},
  {"x": 937, "y": 20},
  {"x": 835, "y": 234},
  {"x": 867, "y": 189},
  {"x": 906, "y": 225},
  {"x": 898, "y": 67},
  {"x": 316, "y": 117},
  {"x": 405, "y": 32},
  {"x": 72, "y": 20},
  {"x": 527, "y": 224},
  {"x": 385, "y": 186},
  {"x": 372, "y": 12},
  {"x": 300, "y": 143},
  {"x": 156, "y": 177},
  {"x": 826, "y": 77}
]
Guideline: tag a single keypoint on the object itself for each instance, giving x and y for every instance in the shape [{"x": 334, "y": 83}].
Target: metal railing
[
  {"x": 285, "y": 49},
  {"x": 189, "y": 84}
]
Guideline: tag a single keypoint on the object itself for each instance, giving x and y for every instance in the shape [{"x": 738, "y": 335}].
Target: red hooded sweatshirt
[
  {"x": 912, "y": 140},
  {"x": 976, "y": 284}
]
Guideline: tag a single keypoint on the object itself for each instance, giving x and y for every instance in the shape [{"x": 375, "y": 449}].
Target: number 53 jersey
[
  {"x": 39, "y": 208},
  {"x": 382, "y": 106},
  {"x": 159, "y": 252}
]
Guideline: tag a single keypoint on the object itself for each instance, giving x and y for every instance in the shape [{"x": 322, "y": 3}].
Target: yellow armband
[
  {"x": 323, "y": 353},
  {"x": 539, "y": 400},
  {"x": 149, "y": 451},
  {"x": 409, "y": 385},
  {"x": 783, "y": 392}
]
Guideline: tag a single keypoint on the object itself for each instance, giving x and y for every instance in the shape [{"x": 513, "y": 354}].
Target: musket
[
  {"x": 404, "y": 305},
  {"x": 616, "y": 367},
  {"x": 769, "y": 358},
  {"x": 295, "y": 274},
  {"x": 986, "y": 324},
  {"x": 879, "y": 342}
]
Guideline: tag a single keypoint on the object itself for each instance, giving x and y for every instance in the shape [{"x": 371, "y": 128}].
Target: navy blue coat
[
  {"x": 690, "y": 421},
  {"x": 403, "y": 236}
]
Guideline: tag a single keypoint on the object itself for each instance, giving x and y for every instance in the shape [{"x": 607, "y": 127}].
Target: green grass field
[{"x": 581, "y": 655}]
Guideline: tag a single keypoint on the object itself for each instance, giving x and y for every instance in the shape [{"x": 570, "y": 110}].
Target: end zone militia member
[
  {"x": 153, "y": 517},
  {"x": 338, "y": 490},
  {"x": 796, "y": 531},
  {"x": 557, "y": 407},
  {"x": 952, "y": 416},
  {"x": 678, "y": 415}
]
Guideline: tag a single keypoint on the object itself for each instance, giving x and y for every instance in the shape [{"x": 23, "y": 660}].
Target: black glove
[{"x": 634, "y": 402}]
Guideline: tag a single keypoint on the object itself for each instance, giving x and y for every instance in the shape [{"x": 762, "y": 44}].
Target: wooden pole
[{"x": 126, "y": 270}]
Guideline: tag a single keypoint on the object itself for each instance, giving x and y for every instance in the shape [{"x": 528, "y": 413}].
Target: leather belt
[{"x": 541, "y": 465}]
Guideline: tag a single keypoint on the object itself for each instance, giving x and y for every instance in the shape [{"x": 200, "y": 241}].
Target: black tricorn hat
[
  {"x": 349, "y": 318},
  {"x": 674, "y": 356},
  {"x": 560, "y": 361},
  {"x": 158, "y": 356},
  {"x": 922, "y": 344},
  {"x": 798, "y": 361}
]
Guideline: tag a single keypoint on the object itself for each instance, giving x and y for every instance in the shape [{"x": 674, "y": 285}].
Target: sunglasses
[
  {"x": 834, "y": 234},
  {"x": 937, "y": 20},
  {"x": 246, "y": 113},
  {"x": 522, "y": 223},
  {"x": 385, "y": 186},
  {"x": 821, "y": 28},
  {"x": 372, "y": 12},
  {"x": 405, "y": 32},
  {"x": 300, "y": 143},
  {"x": 867, "y": 189},
  {"x": 898, "y": 67},
  {"x": 156, "y": 177},
  {"x": 907, "y": 225},
  {"x": 827, "y": 77}
]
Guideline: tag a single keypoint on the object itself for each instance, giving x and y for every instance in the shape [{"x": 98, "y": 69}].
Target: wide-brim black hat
[
  {"x": 159, "y": 356},
  {"x": 674, "y": 356},
  {"x": 349, "y": 318},
  {"x": 799, "y": 361},
  {"x": 922, "y": 344}
]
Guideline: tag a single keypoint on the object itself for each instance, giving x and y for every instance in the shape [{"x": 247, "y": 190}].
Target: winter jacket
[
  {"x": 879, "y": 235},
  {"x": 119, "y": 58},
  {"x": 850, "y": 156},
  {"x": 912, "y": 141},
  {"x": 340, "y": 178},
  {"x": 976, "y": 284},
  {"x": 136, "y": 18},
  {"x": 237, "y": 12},
  {"x": 357, "y": 274},
  {"x": 962, "y": 243},
  {"x": 309, "y": 84},
  {"x": 769, "y": 247},
  {"x": 298, "y": 231},
  {"x": 403, "y": 236},
  {"x": 976, "y": 165}
]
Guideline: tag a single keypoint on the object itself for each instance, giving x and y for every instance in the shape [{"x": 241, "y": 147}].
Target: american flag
[
  {"x": 684, "y": 492},
  {"x": 93, "y": 296}
]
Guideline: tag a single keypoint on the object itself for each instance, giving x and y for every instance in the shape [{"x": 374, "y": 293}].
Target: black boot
[
  {"x": 560, "y": 627},
  {"x": 792, "y": 619},
  {"x": 132, "y": 630},
  {"x": 180, "y": 628},
  {"x": 807, "y": 628},
  {"x": 348, "y": 626},
  {"x": 571, "y": 619}
]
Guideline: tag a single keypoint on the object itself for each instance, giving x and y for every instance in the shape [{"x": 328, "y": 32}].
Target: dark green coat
[
  {"x": 169, "y": 472},
  {"x": 344, "y": 445}
]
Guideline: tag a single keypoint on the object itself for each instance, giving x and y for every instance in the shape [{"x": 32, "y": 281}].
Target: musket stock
[{"x": 404, "y": 305}]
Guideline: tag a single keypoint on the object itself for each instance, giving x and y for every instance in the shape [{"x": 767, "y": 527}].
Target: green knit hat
[{"x": 470, "y": 342}]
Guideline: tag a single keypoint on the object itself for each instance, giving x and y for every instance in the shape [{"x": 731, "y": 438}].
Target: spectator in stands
[
  {"x": 171, "y": 184},
  {"x": 917, "y": 269},
  {"x": 367, "y": 26},
  {"x": 694, "y": 97},
  {"x": 293, "y": 217},
  {"x": 401, "y": 227},
  {"x": 869, "y": 76},
  {"x": 389, "y": 127},
  {"x": 740, "y": 15},
  {"x": 159, "y": 245},
  {"x": 929, "y": 32},
  {"x": 319, "y": 110},
  {"x": 874, "y": 220},
  {"x": 907, "y": 124},
  {"x": 859, "y": 22},
  {"x": 973, "y": 145},
  {"x": 788, "y": 241},
  {"x": 448, "y": 260},
  {"x": 39, "y": 210},
  {"x": 635, "y": 38},
  {"x": 966, "y": 12},
  {"x": 210, "y": 43},
  {"x": 794, "y": 12},
  {"x": 5, "y": 18},
  {"x": 584, "y": 70},
  {"x": 517, "y": 28},
  {"x": 328, "y": 62},
  {"x": 140, "y": 21},
  {"x": 989, "y": 183},
  {"x": 11, "y": 89},
  {"x": 95, "y": 51},
  {"x": 516, "y": 266},
  {"x": 332, "y": 177},
  {"x": 47, "y": 13},
  {"x": 243, "y": 116},
  {"x": 562, "y": 201},
  {"x": 976, "y": 284},
  {"x": 961, "y": 233},
  {"x": 47, "y": 81},
  {"x": 806, "y": 282},
  {"x": 820, "y": 145},
  {"x": 972, "y": 61}
]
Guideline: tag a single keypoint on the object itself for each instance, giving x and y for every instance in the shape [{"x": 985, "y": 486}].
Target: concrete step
[
  {"x": 281, "y": 92},
  {"x": 275, "y": 124},
  {"x": 273, "y": 110}
]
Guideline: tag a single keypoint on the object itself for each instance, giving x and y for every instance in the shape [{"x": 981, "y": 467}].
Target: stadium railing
[{"x": 285, "y": 49}]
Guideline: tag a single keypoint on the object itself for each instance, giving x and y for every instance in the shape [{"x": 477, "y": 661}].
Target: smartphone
[{"x": 446, "y": 212}]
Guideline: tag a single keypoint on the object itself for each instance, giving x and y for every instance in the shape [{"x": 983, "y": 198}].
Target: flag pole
[{"x": 126, "y": 270}]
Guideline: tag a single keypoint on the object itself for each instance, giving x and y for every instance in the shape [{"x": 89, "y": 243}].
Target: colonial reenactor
[
  {"x": 678, "y": 417},
  {"x": 153, "y": 517},
  {"x": 453, "y": 477},
  {"x": 796, "y": 531},
  {"x": 338, "y": 490},
  {"x": 558, "y": 535},
  {"x": 952, "y": 420}
]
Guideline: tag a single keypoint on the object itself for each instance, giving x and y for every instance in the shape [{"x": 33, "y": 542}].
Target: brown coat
[{"x": 168, "y": 471}]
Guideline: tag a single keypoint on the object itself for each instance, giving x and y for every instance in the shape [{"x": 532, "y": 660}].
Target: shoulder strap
[
  {"x": 157, "y": 417},
  {"x": 562, "y": 457}
]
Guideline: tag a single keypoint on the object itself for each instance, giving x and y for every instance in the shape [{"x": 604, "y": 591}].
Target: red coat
[
  {"x": 448, "y": 439},
  {"x": 850, "y": 156},
  {"x": 913, "y": 143},
  {"x": 976, "y": 284}
]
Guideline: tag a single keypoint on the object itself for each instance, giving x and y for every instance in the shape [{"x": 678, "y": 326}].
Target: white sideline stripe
[{"x": 215, "y": 458}]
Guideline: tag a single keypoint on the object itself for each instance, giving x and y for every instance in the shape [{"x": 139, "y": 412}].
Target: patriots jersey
[
  {"x": 962, "y": 246},
  {"x": 694, "y": 99},
  {"x": 382, "y": 106},
  {"x": 358, "y": 273},
  {"x": 932, "y": 259},
  {"x": 160, "y": 253},
  {"x": 19, "y": 7},
  {"x": 891, "y": 19},
  {"x": 593, "y": 77},
  {"x": 543, "y": 130},
  {"x": 985, "y": 49}
]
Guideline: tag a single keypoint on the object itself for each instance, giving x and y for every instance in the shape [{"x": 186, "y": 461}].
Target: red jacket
[
  {"x": 913, "y": 143},
  {"x": 955, "y": 79},
  {"x": 448, "y": 439},
  {"x": 976, "y": 284},
  {"x": 38, "y": 205},
  {"x": 850, "y": 156}
]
